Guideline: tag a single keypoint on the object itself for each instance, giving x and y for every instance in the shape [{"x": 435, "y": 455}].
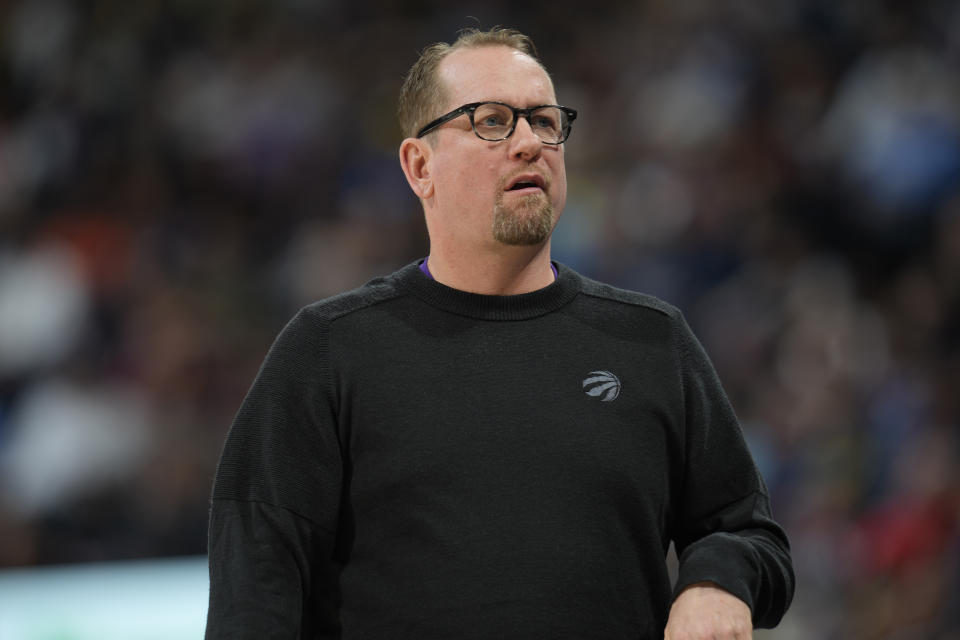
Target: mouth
[{"x": 527, "y": 183}]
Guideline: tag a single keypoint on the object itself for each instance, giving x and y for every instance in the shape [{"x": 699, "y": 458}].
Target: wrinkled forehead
[{"x": 475, "y": 74}]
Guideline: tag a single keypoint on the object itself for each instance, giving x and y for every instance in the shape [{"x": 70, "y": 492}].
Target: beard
[{"x": 527, "y": 222}]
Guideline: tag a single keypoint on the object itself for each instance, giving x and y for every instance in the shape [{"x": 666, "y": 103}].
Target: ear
[{"x": 415, "y": 155}]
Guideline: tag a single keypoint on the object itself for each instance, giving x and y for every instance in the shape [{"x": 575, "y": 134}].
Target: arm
[
  {"x": 276, "y": 498},
  {"x": 724, "y": 532}
]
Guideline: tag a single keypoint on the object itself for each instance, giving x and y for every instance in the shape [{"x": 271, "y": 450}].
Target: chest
[{"x": 551, "y": 410}]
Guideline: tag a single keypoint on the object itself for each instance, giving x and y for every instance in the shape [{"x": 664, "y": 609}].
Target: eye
[
  {"x": 492, "y": 120},
  {"x": 544, "y": 122},
  {"x": 492, "y": 116}
]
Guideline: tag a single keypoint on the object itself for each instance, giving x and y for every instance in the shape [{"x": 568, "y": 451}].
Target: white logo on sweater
[{"x": 603, "y": 384}]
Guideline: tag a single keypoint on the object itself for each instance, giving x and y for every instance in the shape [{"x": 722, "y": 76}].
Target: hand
[{"x": 704, "y": 611}]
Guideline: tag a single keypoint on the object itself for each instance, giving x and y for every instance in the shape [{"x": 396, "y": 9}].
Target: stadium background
[{"x": 177, "y": 178}]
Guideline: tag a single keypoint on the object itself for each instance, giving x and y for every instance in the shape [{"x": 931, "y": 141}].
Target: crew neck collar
[{"x": 491, "y": 307}]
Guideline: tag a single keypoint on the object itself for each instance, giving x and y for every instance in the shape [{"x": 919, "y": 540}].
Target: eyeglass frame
[{"x": 471, "y": 107}]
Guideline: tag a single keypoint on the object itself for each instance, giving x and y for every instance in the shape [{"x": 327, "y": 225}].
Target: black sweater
[{"x": 415, "y": 461}]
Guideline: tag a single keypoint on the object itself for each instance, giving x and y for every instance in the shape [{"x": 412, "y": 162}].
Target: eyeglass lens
[{"x": 494, "y": 121}]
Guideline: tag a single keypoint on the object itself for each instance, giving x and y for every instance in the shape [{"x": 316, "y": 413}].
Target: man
[{"x": 486, "y": 444}]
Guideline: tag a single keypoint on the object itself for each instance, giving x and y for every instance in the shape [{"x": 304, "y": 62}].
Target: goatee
[{"x": 527, "y": 222}]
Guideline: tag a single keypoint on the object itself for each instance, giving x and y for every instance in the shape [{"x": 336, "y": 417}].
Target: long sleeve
[
  {"x": 276, "y": 498},
  {"x": 725, "y": 532}
]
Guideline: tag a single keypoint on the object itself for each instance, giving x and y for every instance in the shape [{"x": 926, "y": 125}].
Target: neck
[{"x": 510, "y": 271}]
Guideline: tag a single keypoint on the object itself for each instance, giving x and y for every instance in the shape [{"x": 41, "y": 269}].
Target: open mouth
[{"x": 525, "y": 182}]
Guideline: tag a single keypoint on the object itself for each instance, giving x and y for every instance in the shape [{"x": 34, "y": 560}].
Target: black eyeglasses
[{"x": 494, "y": 121}]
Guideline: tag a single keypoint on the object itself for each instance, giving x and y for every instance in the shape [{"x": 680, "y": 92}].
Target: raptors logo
[{"x": 603, "y": 384}]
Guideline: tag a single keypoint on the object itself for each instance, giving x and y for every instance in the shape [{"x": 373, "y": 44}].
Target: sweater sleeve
[
  {"x": 725, "y": 532},
  {"x": 276, "y": 498}
]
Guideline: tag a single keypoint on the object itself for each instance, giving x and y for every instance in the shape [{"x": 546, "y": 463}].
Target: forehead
[{"x": 494, "y": 73}]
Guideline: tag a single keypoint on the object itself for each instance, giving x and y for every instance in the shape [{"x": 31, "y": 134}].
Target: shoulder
[
  {"x": 376, "y": 291},
  {"x": 311, "y": 324},
  {"x": 625, "y": 297}
]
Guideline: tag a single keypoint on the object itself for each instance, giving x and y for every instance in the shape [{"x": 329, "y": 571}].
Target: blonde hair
[{"x": 422, "y": 95}]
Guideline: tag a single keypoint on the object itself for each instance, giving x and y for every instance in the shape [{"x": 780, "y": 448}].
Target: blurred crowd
[{"x": 177, "y": 178}]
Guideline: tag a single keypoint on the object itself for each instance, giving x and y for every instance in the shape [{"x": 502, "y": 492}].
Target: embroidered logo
[{"x": 603, "y": 384}]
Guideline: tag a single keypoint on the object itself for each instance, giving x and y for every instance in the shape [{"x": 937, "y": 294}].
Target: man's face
[{"x": 476, "y": 180}]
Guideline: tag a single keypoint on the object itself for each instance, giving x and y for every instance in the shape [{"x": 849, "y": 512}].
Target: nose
[{"x": 524, "y": 143}]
